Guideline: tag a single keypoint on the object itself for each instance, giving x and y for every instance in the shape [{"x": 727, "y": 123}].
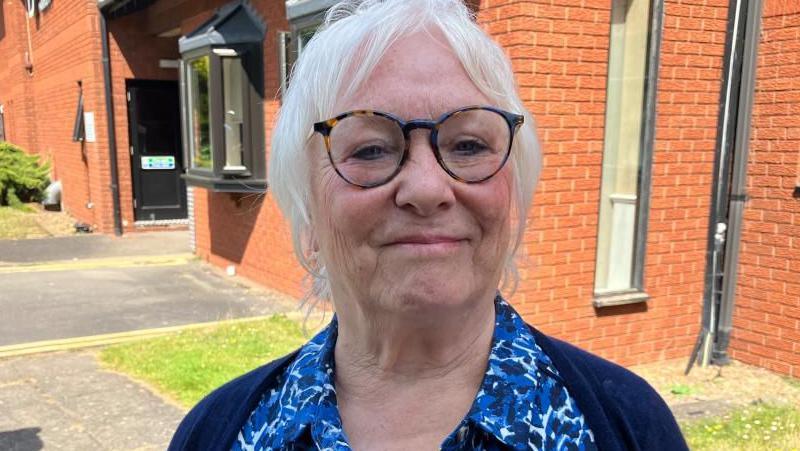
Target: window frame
[
  {"x": 302, "y": 16},
  {"x": 290, "y": 47},
  {"x": 251, "y": 175},
  {"x": 2, "y": 122},
  {"x": 636, "y": 293},
  {"x": 187, "y": 105},
  {"x": 78, "y": 127},
  {"x": 243, "y": 169}
]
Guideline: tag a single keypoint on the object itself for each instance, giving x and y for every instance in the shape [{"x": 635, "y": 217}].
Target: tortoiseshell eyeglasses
[{"x": 369, "y": 148}]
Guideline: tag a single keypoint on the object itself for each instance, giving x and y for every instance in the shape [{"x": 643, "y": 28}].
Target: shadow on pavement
[
  {"x": 21, "y": 440},
  {"x": 78, "y": 247}
]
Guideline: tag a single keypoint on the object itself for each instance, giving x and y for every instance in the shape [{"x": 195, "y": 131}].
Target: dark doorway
[{"x": 154, "y": 129}]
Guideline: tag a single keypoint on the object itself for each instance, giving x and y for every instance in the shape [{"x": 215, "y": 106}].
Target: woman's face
[{"x": 423, "y": 240}]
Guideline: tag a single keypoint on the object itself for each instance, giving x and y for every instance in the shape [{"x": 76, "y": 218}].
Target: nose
[{"x": 423, "y": 187}]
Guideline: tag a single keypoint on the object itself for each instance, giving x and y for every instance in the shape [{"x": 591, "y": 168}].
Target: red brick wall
[
  {"x": 135, "y": 52},
  {"x": 767, "y": 311},
  {"x": 559, "y": 50},
  {"x": 248, "y": 231},
  {"x": 39, "y": 115},
  {"x": 40, "y": 106},
  {"x": 14, "y": 79}
]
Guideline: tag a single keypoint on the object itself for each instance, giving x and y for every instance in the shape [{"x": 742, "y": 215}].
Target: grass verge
[
  {"x": 18, "y": 223},
  {"x": 188, "y": 365},
  {"x": 758, "y": 427}
]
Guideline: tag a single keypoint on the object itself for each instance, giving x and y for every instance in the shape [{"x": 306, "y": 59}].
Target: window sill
[
  {"x": 223, "y": 185},
  {"x": 619, "y": 298}
]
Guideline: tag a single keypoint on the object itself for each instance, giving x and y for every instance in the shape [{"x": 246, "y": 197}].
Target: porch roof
[{"x": 118, "y": 8}]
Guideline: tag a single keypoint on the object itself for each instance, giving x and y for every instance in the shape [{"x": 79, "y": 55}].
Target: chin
[{"x": 428, "y": 294}]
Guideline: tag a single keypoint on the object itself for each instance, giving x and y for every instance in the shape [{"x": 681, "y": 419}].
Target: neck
[
  {"x": 384, "y": 349},
  {"x": 408, "y": 378}
]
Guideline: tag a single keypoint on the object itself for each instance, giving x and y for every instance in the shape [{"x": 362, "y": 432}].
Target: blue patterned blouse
[{"x": 521, "y": 404}]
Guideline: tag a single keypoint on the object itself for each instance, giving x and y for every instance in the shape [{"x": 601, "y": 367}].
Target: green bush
[{"x": 22, "y": 177}]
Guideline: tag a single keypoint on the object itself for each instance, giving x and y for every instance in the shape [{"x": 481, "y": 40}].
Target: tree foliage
[{"x": 23, "y": 177}]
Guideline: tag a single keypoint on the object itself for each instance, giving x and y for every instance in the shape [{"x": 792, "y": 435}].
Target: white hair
[{"x": 356, "y": 34}]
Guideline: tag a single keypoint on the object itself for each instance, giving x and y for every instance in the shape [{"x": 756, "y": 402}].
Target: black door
[{"x": 154, "y": 128}]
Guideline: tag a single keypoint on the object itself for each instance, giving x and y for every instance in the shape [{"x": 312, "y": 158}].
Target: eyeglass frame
[{"x": 325, "y": 127}]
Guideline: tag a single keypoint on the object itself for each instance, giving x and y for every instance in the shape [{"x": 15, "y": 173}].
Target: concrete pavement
[
  {"x": 74, "y": 303},
  {"x": 65, "y": 401},
  {"x": 60, "y": 293},
  {"x": 80, "y": 286},
  {"x": 80, "y": 247}
]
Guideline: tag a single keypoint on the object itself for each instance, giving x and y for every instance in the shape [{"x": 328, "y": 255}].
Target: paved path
[
  {"x": 63, "y": 288},
  {"x": 59, "y": 292},
  {"x": 81, "y": 286},
  {"x": 65, "y": 401},
  {"x": 93, "y": 246},
  {"x": 71, "y": 303}
]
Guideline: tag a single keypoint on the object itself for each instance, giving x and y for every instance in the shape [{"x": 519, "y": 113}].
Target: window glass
[
  {"x": 199, "y": 129},
  {"x": 232, "y": 99},
  {"x": 622, "y": 149},
  {"x": 223, "y": 91},
  {"x": 2, "y": 125},
  {"x": 78, "y": 130},
  {"x": 305, "y": 35},
  {"x": 292, "y": 44}
]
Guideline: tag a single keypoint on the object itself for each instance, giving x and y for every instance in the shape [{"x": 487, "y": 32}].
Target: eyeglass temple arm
[{"x": 323, "y": 128}]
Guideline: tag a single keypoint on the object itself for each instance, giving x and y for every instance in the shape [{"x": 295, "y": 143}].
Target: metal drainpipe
[
  {"x": 112, "y": 135},
  {"x": 718, "y": 211},
  {"x": 738, "y": 194}
]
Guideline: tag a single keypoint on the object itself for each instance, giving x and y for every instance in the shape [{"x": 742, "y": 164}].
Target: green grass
[
  {"x": 682, "y": 389},
  {"x": 18, "y": 223},
  {"x": 188, "y": 365},
  {"x": 759, "y": 427}
]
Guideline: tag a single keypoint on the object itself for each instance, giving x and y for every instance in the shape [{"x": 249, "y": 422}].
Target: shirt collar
[
  {"x": 508, "y": 401},
  {"x": 505, "y": 405},
  {"x": 308, "y": 393}
]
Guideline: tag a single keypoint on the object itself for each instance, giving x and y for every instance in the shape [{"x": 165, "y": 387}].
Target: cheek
[
  {"x": 327, "y": 220},
  {"x": 341, "y": 218},
  {"x": 492, "y": 208}
]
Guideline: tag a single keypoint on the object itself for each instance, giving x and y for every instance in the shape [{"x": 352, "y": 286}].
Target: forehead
[{"x": 419, "y": 76}]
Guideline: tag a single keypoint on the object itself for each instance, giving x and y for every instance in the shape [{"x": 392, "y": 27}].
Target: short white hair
[{"x": 355, "y": 35}]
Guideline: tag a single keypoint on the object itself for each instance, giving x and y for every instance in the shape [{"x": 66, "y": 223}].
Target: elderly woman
[{"x": 405, "y": 163}]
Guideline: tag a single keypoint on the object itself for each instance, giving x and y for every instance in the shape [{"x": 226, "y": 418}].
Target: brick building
[
  {"x": 643, "y": 108},
  {"x": 766, "y": 328}
]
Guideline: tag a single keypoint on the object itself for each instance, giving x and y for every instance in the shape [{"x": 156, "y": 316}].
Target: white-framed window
[{"x": 627, "y": 150}]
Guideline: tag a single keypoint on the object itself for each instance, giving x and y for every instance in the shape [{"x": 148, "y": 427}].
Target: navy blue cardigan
[{"x": 622, "y": 410}]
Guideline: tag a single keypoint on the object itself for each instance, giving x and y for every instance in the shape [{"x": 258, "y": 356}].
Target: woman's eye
[
  {"x": 370, "y": 153},
  {"x": 469, "y": 147}
]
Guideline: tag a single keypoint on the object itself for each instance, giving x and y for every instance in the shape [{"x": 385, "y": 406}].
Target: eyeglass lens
[{"x": 368, "y": 149}]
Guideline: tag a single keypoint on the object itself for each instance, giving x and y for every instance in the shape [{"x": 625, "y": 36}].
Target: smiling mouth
[{"x": 428, "y": 245}]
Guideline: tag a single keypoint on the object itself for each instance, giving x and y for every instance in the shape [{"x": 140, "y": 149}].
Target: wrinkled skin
[{"x": 423, "y": 243}]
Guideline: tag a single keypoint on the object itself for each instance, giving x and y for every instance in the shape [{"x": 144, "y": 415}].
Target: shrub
[{"x": 22, "y": 177}]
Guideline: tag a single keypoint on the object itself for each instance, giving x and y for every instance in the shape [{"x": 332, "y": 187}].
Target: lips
[
  {"x": 426, "y": 240},
  {"x": 427, "y": 245}
]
